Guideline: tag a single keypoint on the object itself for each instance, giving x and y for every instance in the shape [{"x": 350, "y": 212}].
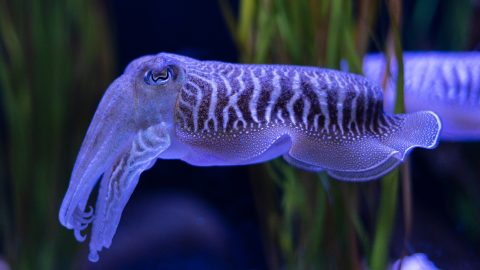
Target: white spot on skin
[
  {"x": 280, "y": 116},
  {"x": 252, "y": 105},
  {"x": 273, "y": 96},
  {"x": 365, "y": 108},
  {"x": 296, "y": 95},
  {"x": 322, "y": 100},
  {"x": 232, "y": 103},
  {"x": 340, "y": 104},
  {"x": 196, "y": 108},
  {"x": 353, "y": 113},
  {"x": 306, "y": 111},
  {"x": 315, "y": 121},
  {"x": 211, "y": 108}
]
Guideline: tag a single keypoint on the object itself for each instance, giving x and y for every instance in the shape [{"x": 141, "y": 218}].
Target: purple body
[{"x": 210, "y": 113}]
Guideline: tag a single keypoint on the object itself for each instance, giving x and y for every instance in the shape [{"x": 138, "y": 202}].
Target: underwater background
[{"x": 58, "y": 57}]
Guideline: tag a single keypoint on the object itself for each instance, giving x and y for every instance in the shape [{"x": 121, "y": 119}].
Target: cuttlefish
[
  {"x": 447, "y": 83},
  {"x": 210, "y": 113}
]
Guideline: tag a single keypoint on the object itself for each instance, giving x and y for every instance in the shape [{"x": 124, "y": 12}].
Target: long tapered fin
[
  {"x": 421, "y": 129},
  {"x": 375, "y": 172},
  {"x": 301, "y": 165},
  {"x": 369, "y": 157},
  {"x": 120, "y": 180},
  {"x": 360, "y": 160}
]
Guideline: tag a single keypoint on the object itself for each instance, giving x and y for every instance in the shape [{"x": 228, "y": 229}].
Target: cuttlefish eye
[{"x": 157, "y": 77}]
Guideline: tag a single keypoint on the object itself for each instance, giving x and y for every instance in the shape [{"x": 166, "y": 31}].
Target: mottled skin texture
[
  {"x": 257, "y": 104},
  {"x": 447, "y": 83},
  {"x": 215, "y": 114}
]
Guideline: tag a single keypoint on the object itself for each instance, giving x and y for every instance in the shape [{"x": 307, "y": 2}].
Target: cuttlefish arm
[
  {"x": 109, "y": 134},
  {"x": 130, "y": 129},
  {"x": 119, "y": 182},
  {"x": 116, "y": 187}
]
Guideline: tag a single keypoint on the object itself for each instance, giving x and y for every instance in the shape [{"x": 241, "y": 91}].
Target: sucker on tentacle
[{"x": 209, "y": 113}]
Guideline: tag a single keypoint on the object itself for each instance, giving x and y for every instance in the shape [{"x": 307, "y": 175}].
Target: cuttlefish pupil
[{"x": 209, "y": 113}]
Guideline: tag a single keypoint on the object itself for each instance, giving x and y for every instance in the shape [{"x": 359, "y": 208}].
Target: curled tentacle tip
[
  {"x": 81, "y": 217},
  {"x": 82, "y": 227},
  {"x": 78, "y": 235},
  {"x": 93, "y": 256},
  {"x": 89, "y": 213},
  {"x": 81, "y": 220}
]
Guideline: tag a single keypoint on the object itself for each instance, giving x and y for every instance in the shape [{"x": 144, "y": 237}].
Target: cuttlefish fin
[{"x": 372, "y": 155}]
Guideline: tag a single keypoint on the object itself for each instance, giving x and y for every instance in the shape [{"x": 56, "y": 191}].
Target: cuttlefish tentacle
[
  {"x": 107, "y": 135},
  {"x": 127, "y": 133},
  {"x": 119, "y": 182}
]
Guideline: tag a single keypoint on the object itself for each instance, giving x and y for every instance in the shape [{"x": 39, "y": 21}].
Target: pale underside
[{"x": 357, "y": 158}]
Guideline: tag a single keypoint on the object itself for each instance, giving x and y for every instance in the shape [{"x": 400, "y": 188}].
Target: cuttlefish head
[{"x": 131, "y": 127}]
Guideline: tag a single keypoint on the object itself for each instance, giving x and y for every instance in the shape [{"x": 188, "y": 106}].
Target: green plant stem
[
  {"x": 384, "y": 224},
  {"x": 388, "y": 201},
  {"x": 317, "y": 224},
  {"x": 407, "y": 203},
  {"x": 46, "y": 56}
]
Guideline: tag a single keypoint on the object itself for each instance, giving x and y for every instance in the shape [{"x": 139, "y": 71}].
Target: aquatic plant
[
  {"x": 315, "y": 223},
  {"x": 51, "y": 63},
  {"x": 444, "y": 82},
  {"x": 56, "y": 55},
  {"x": 318, "y": 224}
]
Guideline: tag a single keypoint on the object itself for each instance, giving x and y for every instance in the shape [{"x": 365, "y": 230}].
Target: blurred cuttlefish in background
[
  {"x": 447, "y": 83},
  {"x": 209, "y": 113}
]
